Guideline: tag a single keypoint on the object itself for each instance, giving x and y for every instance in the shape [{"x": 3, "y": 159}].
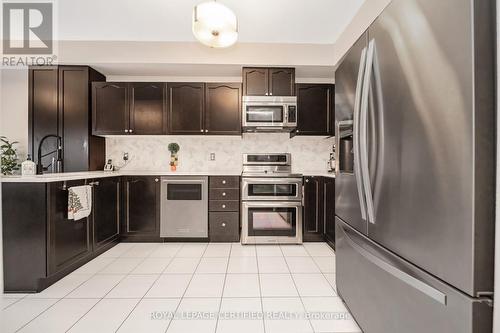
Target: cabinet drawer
[
  {"x": 225, "y": 182},
  {"x": 224, "y": 226},
  {"x": 224, "y": 194},
  {"x": 224, "y": 205}
]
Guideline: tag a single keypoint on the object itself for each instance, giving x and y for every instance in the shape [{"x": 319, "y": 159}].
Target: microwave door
[{"x": 264, "y": 115}]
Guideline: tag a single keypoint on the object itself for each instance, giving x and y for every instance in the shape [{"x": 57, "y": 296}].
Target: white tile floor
[{"x": 189, "y": 288}]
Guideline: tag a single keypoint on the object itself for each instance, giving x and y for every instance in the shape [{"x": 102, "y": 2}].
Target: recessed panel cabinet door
[
  {"x": 223, "y": 108},
  {"x": 185, "y": 108},
  {"x": 142, "y": 207},
  {"x": 313, "y": 209},
  {"x": 43, "y": 111},
  {"x": 147, "y": 109},
  {"x": 255, "y": 81},
  {"x": 68, "y": 240},
  {"x": 315, "y": 109},
  {"x": 281, "y": 81},
  {"x": 105, "y": 210},
  {"x": 110, "y": 108}
]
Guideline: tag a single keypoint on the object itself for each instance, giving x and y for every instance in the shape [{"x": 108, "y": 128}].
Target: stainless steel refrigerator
[{"x": 415, "y": 179}]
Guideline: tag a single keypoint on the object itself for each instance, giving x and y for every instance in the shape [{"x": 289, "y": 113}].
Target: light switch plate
[{"x": 212, "y": 156}]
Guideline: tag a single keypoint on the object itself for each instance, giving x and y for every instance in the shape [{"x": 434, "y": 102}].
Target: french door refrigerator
[{"x": 414, "y": 201}]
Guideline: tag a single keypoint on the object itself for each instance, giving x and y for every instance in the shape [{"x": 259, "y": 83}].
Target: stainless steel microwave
[{"x": 269, "y": 113}]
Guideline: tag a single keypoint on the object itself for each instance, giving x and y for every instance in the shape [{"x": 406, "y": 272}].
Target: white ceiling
[{"x": 260, "y": 21}]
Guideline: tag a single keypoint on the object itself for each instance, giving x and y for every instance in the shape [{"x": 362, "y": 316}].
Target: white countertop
[
  {"x": 319, "y": 173},
  {"x": 57, "y": 177}
]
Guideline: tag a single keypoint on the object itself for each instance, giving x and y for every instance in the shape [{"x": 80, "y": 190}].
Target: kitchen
[{"x": 242, "y": 181}]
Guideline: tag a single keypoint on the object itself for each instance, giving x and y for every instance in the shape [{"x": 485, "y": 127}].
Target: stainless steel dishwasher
[{"x": 184, "y": 207}]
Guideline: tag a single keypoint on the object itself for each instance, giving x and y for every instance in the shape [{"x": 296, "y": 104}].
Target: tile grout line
[
  {"x": 64, "y": 297},
  {"x": 323, "y": 273},
  {"x": 260, "y": 287},
  {"x": 223, "y": 286},
  {"x": 103, "y": 297},
  {"x": 296, "y": 288},
  {"x": 184, "y": 293},
  {"x": 151, "y": 286}
]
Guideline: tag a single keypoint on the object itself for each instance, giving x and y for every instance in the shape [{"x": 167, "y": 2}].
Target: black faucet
[{"x": 59, "y": 166}]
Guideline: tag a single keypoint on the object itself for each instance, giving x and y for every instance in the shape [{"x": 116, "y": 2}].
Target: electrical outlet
[
  {"x": 125, "y": 156},
  {"x": 212, "y": 156}
]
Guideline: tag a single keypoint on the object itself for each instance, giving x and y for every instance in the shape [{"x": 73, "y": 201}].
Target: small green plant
[
  {"x": 9, "y": 161},
  {"x": 173, "y": 148}
]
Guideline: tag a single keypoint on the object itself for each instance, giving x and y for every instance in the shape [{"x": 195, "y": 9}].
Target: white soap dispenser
[{"x": 28, "y": 167}]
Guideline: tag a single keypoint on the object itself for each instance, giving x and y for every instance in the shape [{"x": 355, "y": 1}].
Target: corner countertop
[
  {"x": 319, "y": 173},
  {"x": 57, "y": 177}
]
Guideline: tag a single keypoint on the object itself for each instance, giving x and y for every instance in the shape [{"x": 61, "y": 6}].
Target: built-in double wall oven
[{"x": 271, "y": 205}]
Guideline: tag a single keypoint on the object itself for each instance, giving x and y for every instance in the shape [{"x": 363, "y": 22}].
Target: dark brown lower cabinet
[
  {"x": 141, "y": 209},
  {"x": 313, "y": 209},
  {"x": 105, "y": 210},
  {"x": 40, "y": 244},
  {"x": 224, "y": 226},
  {"x": 319, "y": 209},
  {"x": 68, "y": 240},
  {"x": 224, "y": 209},
  {"x": 329, "y": 209}
]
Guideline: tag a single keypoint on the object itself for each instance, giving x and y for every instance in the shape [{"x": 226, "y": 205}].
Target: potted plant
[
  {"x": 9, "y": 161},
  {"x": 173, "y": 148}
]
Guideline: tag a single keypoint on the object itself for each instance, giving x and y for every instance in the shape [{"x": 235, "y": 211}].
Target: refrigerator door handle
[
  {"x": 356, "y": 134},
  {"x": 365, "y": 172},
  {"x": 412, "y": 281}
]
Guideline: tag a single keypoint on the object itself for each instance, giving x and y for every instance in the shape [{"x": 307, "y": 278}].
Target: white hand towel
[{"x": 79, "y": 202}]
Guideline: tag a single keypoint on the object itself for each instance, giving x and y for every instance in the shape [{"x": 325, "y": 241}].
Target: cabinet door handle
[
  {"x": 223, "y": 206},
  {"x": 266, "y": 94},
  {"x": 223, "y": 224},
  {"x": 201, "y": 130},
  {"x": 270, "y": 94},
  {"x": 223, "y": 194},
  {"x": 130, "y": 131},
  {"x": 206, "y": 131},
  {"x": 307, "y": 180},
  {"x": 126, "y": 131},
  {"x": 157, "y": 180},
  {"x": 224, "y": 182}
]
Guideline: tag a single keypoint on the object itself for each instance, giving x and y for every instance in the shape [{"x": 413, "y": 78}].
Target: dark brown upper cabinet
[
  {"x": 129, "y": 108},
  {"x": 223, "y": 108},
  {"x": 204, "y": 108},
  {"x": 59, "y": 104},
  {"x": 281, "y": 81},
  {"x": 186, "y": 104},
  {"x": 147, "y": 108},
  {"x": 316, "y": 109},
  {"x": 262, "y": 81},
  {"x": 255, "y": 81},
  {"x": 110, "y": 108}
]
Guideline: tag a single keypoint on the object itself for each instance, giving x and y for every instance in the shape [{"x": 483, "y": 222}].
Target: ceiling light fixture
[{"x": 214, "y": 24}]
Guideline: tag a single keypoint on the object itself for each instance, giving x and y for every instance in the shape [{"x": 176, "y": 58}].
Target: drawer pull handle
[
  {"x": 223, "y": 224},
  {"x": 223, "y": 182},
  {"x": 223, "y": 206},
  {"x": 223, "y": 194}
]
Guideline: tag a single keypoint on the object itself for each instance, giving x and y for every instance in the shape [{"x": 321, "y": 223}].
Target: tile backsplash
[{"x": 150, "y": 153}]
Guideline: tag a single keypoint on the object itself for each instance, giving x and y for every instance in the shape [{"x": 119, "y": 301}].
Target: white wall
[
  {"x": 14, "y": 108},
  {"x": 366, "y": 14}
]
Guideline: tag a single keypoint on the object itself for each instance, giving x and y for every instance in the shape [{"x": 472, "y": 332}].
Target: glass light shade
[{"x": 214, "y": 24}]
